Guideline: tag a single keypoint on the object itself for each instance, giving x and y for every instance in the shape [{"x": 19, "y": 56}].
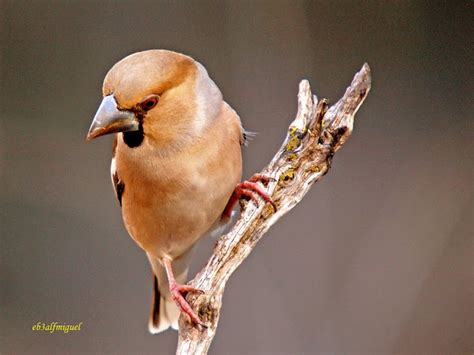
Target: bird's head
[{"x": 159, "y": 95}]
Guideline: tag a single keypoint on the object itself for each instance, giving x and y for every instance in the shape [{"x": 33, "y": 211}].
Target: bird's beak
[{"x": 109, "y": 119}]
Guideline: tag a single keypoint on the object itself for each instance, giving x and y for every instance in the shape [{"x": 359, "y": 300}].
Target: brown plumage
[{"x": 176, "y": 163}]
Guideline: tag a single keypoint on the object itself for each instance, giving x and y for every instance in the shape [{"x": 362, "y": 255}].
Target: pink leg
[
  {"x": 251, "y": 189},
  {"x": 178, "y": 293}
]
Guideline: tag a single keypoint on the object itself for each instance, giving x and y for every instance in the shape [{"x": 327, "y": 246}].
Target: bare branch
[{"x": 305, "y": 156}]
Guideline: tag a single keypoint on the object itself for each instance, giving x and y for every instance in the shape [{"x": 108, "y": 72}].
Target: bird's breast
[{"x": 169, "y": 202}]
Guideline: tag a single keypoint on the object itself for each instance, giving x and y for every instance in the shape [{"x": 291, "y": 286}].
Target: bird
[{"x": 176, "y": 166}]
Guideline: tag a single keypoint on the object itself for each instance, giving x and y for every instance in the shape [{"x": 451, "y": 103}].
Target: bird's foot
[
  {"x": 178, "y": 293},
  {"x": 251, "y": 189}
]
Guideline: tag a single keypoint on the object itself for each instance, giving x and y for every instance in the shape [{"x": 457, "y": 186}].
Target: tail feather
[
  {"x": 247, "y": 136},
  {"x": 154, "y": 323},
  {"x": 164, "y": 312}
]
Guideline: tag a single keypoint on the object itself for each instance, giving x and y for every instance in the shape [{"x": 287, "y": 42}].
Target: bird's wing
[{"x": 118, "y": 185}]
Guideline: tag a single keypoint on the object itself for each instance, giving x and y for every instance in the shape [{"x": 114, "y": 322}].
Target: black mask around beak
[{"x": 109, "y": 119}]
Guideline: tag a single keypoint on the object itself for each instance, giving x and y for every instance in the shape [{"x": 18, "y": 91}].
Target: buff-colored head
[{"x": 159, "y": 95}]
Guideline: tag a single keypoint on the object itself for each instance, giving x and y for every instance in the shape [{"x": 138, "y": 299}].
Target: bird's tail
[{"x": 164, "y": 312}]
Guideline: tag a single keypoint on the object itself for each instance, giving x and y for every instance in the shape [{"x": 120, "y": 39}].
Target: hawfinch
[{"x": 176, "y": 165}]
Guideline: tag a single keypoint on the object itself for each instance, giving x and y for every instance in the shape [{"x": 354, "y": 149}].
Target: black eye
[{"x": 149, "y": 102}]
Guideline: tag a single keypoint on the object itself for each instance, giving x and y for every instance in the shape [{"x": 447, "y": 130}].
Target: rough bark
[{"x": 317, "y": 132}]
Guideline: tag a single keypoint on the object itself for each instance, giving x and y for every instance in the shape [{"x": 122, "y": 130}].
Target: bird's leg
[
  {"x": 178, "y": 293},
  {"x": 251, "y": 189}
]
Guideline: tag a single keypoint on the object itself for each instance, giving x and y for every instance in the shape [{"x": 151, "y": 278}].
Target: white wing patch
[{"x": 113, "y": 169}]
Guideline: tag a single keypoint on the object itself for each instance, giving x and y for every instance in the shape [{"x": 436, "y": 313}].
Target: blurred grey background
[{"x": 378, "y": 258}]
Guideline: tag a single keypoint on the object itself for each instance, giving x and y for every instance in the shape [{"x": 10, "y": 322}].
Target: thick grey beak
[{"x": 109, "y": 119}]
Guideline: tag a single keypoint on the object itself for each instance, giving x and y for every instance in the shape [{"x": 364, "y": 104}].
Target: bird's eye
[{"x": 149, "y": 102}]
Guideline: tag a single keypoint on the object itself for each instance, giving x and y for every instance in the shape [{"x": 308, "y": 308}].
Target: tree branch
[{"x": 305, "y": 157}]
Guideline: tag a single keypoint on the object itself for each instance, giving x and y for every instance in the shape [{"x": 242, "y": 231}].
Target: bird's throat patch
[{"x": 133, "y": 139}]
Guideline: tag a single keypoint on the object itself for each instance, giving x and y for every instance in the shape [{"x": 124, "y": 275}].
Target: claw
[
  {"x": 178, "y": 294},
  {"x": 249, "y": 188},
  {"x": 261, "y": 177},
  {"x": 187, "y": 289}
]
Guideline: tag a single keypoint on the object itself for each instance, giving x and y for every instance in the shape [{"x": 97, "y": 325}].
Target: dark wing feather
[
  {"x": 118, "y": 184},
  {"x": 119, "y": 187}
]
